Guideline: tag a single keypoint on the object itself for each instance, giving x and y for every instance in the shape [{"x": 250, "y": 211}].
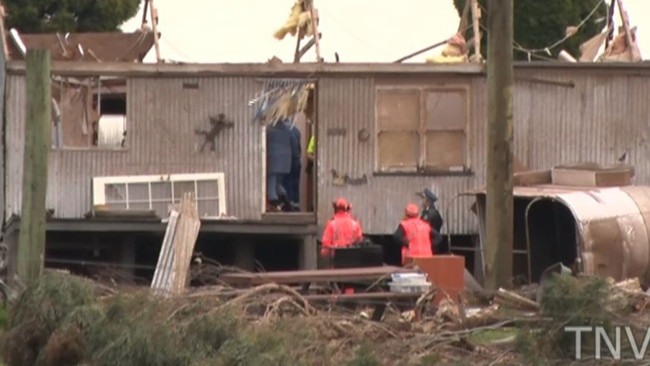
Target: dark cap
[{"x": 428, "y": 195}]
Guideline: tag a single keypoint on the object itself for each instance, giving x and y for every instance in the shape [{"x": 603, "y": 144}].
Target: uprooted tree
[
  {"x": 44, "y": 16},
  {"x": 539, "y": 24}
]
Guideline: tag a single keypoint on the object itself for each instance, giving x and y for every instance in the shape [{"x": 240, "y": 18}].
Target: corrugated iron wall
[
  {"x": 379, "y": 204},
  {"x": 161, "y": 119},
  {"x": 595, "y": 121},
  {"x": 604, "y": 114},
  {"x": 600, "y": 118}
]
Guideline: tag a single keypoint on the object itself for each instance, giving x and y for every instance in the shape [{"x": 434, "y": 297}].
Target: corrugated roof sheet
[{"x": 107, "y": 47}]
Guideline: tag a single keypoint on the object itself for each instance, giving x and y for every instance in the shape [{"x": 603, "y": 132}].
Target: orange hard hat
[
  {"x": 411, "y": 210},
  {"x": 342, "y": 203}
]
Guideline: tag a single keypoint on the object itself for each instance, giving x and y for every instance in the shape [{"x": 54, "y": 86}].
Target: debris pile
[{"x": 67, "y": 320}]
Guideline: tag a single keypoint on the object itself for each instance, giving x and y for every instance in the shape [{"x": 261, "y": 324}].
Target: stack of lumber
[{"x": 171, "y": 275}]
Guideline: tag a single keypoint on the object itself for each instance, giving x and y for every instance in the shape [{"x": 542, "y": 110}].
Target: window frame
[
  {"x": 58, "y": 132},
  {"x": 421, "y": 168}
]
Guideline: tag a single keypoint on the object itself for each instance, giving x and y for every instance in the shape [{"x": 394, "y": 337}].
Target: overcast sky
[{"x": 359, "y": 30}]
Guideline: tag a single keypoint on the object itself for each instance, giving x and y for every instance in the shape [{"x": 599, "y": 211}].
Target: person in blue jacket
[{"x": 291, "y": 181}]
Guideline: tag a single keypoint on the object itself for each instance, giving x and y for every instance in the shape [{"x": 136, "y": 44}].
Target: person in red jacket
[
  {"x": 342, "y": 230},
  {"x": 414, "y": 234}
]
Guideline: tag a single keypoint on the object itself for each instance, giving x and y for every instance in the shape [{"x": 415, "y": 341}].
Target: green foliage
[
  {"x": 3, "y": 318},
  {"x": 38, "y": 312},
  {"x": 60, "y": 322},
  {"x": 365, "y": 357},
  {"x": 539, "y": 24},
  {"x": 569, "y": 301},
  {"x": 46, "y": 16}
]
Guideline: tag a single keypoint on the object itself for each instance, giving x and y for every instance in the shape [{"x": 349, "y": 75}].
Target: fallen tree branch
[
  {"x": 265, "y": 289},
  {"x": 509, "y": 298}
]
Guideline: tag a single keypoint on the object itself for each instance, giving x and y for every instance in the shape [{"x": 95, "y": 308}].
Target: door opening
[{"x": 288, "y": 111}]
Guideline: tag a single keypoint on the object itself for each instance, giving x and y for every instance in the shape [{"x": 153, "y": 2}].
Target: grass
[{"x": 493, "y": 335}]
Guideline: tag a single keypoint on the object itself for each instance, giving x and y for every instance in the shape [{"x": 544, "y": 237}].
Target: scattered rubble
[{"x": 67, "y": 320}]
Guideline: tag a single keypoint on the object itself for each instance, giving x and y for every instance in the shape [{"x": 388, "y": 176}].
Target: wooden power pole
[
  {"x": 31, "y": 240},
  {"x": 499, "y": 209}
]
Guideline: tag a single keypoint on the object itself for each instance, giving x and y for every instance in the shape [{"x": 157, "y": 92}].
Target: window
[
  {"x": 158, "y": 192},
  {"x": 109, "y": 131},
  {"x": 87, "y": 114},
  {"x": 422, "y": 130}
]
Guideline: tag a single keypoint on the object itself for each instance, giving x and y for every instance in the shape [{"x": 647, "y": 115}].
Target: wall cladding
[{"x": 162, "y": 116}]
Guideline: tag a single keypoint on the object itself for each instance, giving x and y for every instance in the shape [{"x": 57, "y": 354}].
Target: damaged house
[
  {"x": 383, "y": 132},
  {"x": 86, "y": 111}
]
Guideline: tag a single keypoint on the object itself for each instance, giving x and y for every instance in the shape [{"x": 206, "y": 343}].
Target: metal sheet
[
  {"x": 162, "y": 117},
  {"x": 614, "y": 234},
  {"x": 604, "y": 115},
  {"x": 350, "y": 104}
]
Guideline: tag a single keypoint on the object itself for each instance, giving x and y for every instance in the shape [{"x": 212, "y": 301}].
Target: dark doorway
[{"x": 552, "y": 234}]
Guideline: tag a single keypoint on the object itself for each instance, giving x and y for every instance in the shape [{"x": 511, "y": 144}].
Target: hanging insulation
[
  {"x": 299, "y": 21},
  {"x": 280, "y": 100}
]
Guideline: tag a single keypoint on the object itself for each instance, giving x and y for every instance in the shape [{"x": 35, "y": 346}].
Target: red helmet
[
  {"x": 342, "y": 203},
  {"x": 411, "y": 210}
]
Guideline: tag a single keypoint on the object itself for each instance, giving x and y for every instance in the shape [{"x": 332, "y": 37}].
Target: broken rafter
[
  {"x": 462, "y": 26},
  {"x": 64, "y": 49},
  {"x": 308, "y": 46},
  {"x": 314, "y": 20},
  {"x": 428, "y": 48},
  {"x": 476, "y": 16},
  {"x": 634, "y": 50},
  {"x": 144, "y": 13},
  {"x": 154, "y": 27},
  {"x": 296, "y": 54}
]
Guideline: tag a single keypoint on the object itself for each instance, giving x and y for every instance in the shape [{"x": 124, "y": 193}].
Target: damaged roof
[{"x": 97, "y": 47}]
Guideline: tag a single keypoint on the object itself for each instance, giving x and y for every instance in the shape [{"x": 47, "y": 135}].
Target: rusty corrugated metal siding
[{"x": 161, "y": 119}]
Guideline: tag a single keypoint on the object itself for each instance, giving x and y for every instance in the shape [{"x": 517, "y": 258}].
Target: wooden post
[
  {"x": 31, "y": 242},
  {"x": 476, "y": 16},
  {"x": 296, "y": 54},
  {"x": 463, "y": 18},
  {"x": 634, "y": 49},
  {"x": 145, "y": 9},
  {"x": 154, "y": 28},
  {"x": 499, "y": 210},
  {"x": 314, "y": 19}
]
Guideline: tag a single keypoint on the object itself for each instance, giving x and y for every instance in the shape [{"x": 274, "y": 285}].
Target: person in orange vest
[
  {"x": 414, "y": 234},
  {"x": 342, "y": 230}
]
